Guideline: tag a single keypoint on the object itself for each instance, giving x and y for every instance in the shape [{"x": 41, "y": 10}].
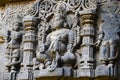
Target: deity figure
[
  {"x": 13, "y": 51},
  {"x": 109, "y": 34},
  {"x": 59, "y": 43}
]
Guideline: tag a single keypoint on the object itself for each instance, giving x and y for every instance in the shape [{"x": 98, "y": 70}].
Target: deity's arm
[
  {"x": 47, "y": 43},
  {"x": 100, "y": 33},
  {"x": 70, "y": 40},
  {"x": 100, "y": 36},
  {"x": 20, "y": 37},
  {"x": 8, "y": 37}
]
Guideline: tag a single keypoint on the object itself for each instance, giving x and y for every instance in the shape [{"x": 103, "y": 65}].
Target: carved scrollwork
[
  {"x": 74, "y": 3},
  {"x": 88, "y": 4},
  {"x": 45, "y": 6}
]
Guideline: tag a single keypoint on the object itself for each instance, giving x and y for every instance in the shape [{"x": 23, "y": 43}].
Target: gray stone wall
[
  {"x": 7, "y": 17},
  {"x": 60, "y": 39}
]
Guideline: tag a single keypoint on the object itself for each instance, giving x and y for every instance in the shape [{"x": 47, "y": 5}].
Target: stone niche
[{"x": 59, "y": 40}]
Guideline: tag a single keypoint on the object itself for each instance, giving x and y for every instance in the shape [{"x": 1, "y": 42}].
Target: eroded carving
[
  {"x": 58, "y": 39},
  {"x": 109, "y": 36},
  {"x": 109, "y": 33},
  {"x": 58, "y": 47},
  {"x": 14, "y": 50}
]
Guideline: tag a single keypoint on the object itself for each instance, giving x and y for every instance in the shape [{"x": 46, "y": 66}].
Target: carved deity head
[
  {"x": 59, "y": 16},
  {"x": 58, "y": 21},
  {"x": 17, "y": 25}
]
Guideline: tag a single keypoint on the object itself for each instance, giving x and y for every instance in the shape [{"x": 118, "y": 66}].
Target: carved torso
[
  {"x": 16, "y": 38},
  {"x": 59, "y": 40}
]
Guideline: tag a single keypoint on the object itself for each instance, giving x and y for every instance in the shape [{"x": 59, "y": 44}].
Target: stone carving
[
  {"x": 56, "y": 39},
  {"x": 10, "y": 10},
  {"x": 58, "y": 47},
  {"x": 109, "y": 37},
  {"x": 13, "y": 50}
]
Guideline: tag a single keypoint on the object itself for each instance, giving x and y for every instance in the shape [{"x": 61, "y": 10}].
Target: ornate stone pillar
[
  {"x": 87, "y": 33},
  {"x": 29, "y": 39}
]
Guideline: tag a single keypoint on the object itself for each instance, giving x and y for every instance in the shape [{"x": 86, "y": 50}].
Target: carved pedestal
[
  {"x": 105, "y": 72},
  {"x": 59, "y": 73}
]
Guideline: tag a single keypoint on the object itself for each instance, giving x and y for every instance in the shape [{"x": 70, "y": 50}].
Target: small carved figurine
[
  {"x": 58, "y": 47},
  {"x": 108, "y": 34},
  {"x": 59, "y": 43},
  {"x": 13, "y": 52}
]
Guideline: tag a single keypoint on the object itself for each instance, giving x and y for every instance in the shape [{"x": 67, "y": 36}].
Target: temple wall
[
  {"x": 88, "y": 59},
  {"x": 7, "y": 17}
]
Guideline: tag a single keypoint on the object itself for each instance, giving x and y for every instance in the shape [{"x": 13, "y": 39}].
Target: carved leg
[
  {"x": 36, "y": 64},
  {"x": 48, "y": 63},
  {"x": 113, "y": 50},
  {"x": 7, "y": 67},
  {"x": 54, "y": 64},
  {"x": 104, "y": 52},
  {"x": 13, "y": 75}
]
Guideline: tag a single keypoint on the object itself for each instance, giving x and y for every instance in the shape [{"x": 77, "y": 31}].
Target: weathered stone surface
[
  {"x": 4, "y": 2},
  {"x": 59, "y": 39}
]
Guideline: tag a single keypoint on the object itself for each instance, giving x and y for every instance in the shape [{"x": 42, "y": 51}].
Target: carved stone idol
[
  {"x": 13, "y": 50},
  {"x": 109, "y": 38},
  {"x": 57, "y": 51}
]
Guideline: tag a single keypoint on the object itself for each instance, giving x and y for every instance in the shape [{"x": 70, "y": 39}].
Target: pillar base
[{"x": 85, "y": 74}]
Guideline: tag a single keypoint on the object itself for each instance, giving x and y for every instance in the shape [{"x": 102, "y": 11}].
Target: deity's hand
[
  {"x": 42, "y": 48},
  {"x": 58, "y": 57},
  {"x": 48, "y": 63},
  {"x": 98, "y": 43}
]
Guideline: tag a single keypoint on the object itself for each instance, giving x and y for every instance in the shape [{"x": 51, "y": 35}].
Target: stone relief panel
[
  {"x": 8, "y": 16},
  {"x": 109, "y": 29},
  {"x": 10, "y": 10},
  {"x": 61, "y": 39}
]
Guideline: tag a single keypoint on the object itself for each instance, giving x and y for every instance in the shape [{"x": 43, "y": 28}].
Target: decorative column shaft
[
  {"x": 29, "y": 40},
  {"x": 87, "y": 34}
]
